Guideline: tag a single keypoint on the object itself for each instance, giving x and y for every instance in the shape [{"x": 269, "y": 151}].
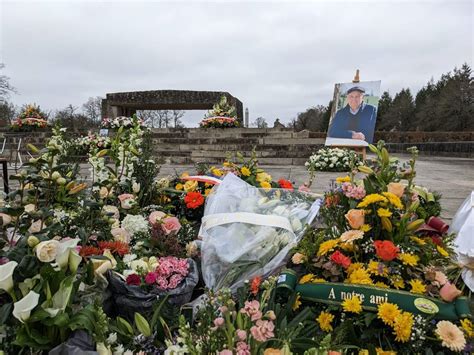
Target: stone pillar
[{"x": 247, "y": 117}]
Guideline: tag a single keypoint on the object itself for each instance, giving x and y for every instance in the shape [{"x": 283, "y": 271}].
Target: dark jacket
[{"x": 344, "y": 123}]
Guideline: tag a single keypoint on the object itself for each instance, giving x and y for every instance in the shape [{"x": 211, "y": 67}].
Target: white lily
[
  {"x": 22, "y": 309},
  {"x": 65, "y": 248},
  {"x": 6, "y": 275}
]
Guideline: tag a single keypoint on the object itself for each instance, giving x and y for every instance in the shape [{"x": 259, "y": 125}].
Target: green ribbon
[{"x": 336, "y": 293}]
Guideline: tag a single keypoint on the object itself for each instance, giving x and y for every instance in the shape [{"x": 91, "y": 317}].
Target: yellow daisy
[
  {"x": 402, "y": 327},
  {"x": 408, "y": 259},
  {"x": 387, "y": 312},
  {"x": 325, "y": 319},
  {"x": 346, "y": 178},
  {"x": 370, "y": 199},
  {"x": 265, "y": 185},
  {"x": 353, "y": 305},
  {"x": 417, "y": 286},
  {"x": 327, "y": 246},
  {"x": 245, "y": 171},
  {"x": 393, "y": 199},
  {"x": 397, "y": 282},
  {"x": 384, "y": 212},
  {"x": 306, "y": 278},
  {"x": 360, "y": 277}
]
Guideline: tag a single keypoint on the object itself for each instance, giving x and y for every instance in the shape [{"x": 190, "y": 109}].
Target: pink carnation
[
  {"x": 252, "y": 309},
  {"x": 352, "y": 191},
  {"x": 150, "y": 278},
  {"x": 263, "y": 330},
  {"x": 242, "y": 348}
]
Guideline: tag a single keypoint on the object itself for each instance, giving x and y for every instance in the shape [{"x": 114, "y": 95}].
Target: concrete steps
[{"x": 273, "y": 146}]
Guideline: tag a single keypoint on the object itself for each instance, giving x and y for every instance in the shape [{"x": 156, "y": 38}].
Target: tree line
[{"x": 444, "y": 105}]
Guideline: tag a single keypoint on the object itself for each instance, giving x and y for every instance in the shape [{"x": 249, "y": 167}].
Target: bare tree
[
  {"x": 260, "y": 122},
  {"x": 5, "y": 87},
  {"x": 92, "y": 108},
  {"x": 176, "y": 116}
]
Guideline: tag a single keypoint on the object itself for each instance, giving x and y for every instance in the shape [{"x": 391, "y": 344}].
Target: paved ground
[{"x": 452, "y": 177}]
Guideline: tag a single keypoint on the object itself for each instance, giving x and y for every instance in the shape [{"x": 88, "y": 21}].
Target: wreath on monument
[
  {"x": 30, "y": 119},
  {"x": 222, "y": 115}
]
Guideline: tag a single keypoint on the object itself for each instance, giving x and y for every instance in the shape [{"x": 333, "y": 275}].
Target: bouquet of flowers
[
  {"x": 121, "y": 121},
  {"x": 377, "y": 254},
  {"x": 248, "y": 231},
  {"x": 84, "y": 145},
  {"x": 332, "y": 159},
  {"x": 222, "y": 115},
  {"x": 29, "y": 119}
]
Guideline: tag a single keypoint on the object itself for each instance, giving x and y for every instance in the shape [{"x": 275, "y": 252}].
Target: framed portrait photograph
[{"x": 353, "y": 114}]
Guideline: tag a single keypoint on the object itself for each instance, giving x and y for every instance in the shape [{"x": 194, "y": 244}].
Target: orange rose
[
  {"x": 355, "y": 218},
  {"x": 386, "y": 250},
  {"x": 396, "y": 188}
]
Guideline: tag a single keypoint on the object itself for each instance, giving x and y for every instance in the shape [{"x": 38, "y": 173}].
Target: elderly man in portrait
[{"x": 356, "y": 120}]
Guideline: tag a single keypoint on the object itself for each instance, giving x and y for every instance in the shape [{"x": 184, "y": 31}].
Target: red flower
[
  {"x": 151, "y": 277},
  {"x": 386, "y": 250},
  {"x": 193, "y": 200},
  {"x": 255, "y": 285},
  {"x": 116, "y": 247},
  {"x": 133, "y": 279},
  {"x": 89, "y": 250},
  {"x": 341, "y": 259},
  {"x": 285, "y": 184},
  {"x": 331, "y": 200},
  {"x": 437, "y": 240}
]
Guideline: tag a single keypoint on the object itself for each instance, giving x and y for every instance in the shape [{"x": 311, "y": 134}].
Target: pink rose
[
  {"x": 156, "y": 217},
  {"x": 171, "y": 225},
  {"x": 396, "y": 188},
  {"x": 449, "y": 292},
  {"x": 252, "y": 309},
  {"x": 126, "y": 201}
]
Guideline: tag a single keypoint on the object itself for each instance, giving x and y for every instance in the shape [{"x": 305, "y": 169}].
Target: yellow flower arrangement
[
  {"x": 216, "y": 172},
  {"x": 346, "y": 178},
  {"x": 190, "y": 186},
  {"x": 402, "y": 327},
  {"x": 245, "y": 171},
  {"x": 381, "y": 284},
  {"x": 327, "y": 246},
  {"x": 360, "y": 277},
  {"x": 265, "y": 185},
  {"x": 306, "y": 279},
  {"x": 393, "y": 199},
  {"x": 325, "y": 319},
  {"x": 442, "y": 251},
  {"x": 370, "y": 199},
  {"x": 387, "y": 312},
  {"x": 417, "y": 286},
  {"x": 179, "y": 186},
  {"x": 383, "y": 212},
  {"x": 409, "y": 259},
  {"x": 262, "y": 176},
  {"x": 353, "y": 305},
  {"x": 353, "y": 267},
  {"x": 397, "y": 282}
]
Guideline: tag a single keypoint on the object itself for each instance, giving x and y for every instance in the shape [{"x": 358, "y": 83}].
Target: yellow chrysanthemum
[
  {"x": 384, "y": 212},
  {"x": 402, "y": 327},
  {"x": 353, "y": 267},
  {"x": 179, "y": 186},
  {"x": 349, "y": 247},
  {"x": 397, "y": 282},
  {"x": 245, "y": 171},
  {"x": 370, "y": 199},
  {"x": 381, "y": 284},
  {"x": 379, "y": 351},
  {"x": 442, "y": 251},
  {"x": 327, "y": 246},
  {"x": 365, "y": 228},
  {"x": 184, "y": 174},
  {"x": 353, "y": 305},
  {"x": 325, "y": 319},
  {"x": 376, "y": 268},
  {"x": 346, "y": 178},
  {"x": 318, "y": 280},
  {"x": 417, "y": 286},
  {"x": 468, "y": 327},
  {"x": 216, "y": 172},
  {"x": 306, "y": 278},
  {"x": 207, "y": 192},
  {"x": 360, "y": 277},
  {"x": 387, "y": 312},
  {"x": 227, "y": 164},
  {"x": 297, "y": 303},
  {"x": 417, "y": 240},
  {"x": 408, "y": 259},
  {"x": 393, "y": 199}
]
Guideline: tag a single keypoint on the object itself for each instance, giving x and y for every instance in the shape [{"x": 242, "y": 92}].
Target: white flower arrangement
[
  {"x": 121, "y": 121},
  {"x": 135, "y": 224},
  {"x": 332, "y": 159}
]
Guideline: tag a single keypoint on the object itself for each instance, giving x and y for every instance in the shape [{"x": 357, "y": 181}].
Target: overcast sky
[{"x": 278, "y": 58}]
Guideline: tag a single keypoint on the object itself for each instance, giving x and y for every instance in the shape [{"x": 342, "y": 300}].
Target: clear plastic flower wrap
[{"x": 248, "y": 232}]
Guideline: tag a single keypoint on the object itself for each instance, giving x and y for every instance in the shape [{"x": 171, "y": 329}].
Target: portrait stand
[{"x": 357, "y": 148}]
